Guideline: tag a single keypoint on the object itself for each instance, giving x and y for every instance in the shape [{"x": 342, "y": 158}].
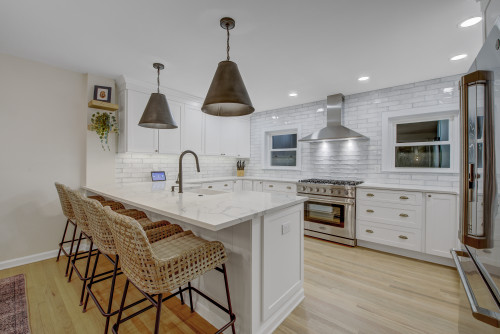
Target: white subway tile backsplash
[{"x": 363, "y": 113}]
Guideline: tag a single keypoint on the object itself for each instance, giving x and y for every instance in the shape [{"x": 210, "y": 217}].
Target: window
[
  {"x": 425, "y": 141},
  {"x": 281, "y": 150}
]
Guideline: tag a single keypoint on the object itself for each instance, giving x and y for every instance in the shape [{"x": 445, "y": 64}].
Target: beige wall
[{"x": 42, "y": 140}]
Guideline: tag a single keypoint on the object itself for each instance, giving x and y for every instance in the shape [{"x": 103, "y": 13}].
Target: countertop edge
[{"x": 193, "y": 221}]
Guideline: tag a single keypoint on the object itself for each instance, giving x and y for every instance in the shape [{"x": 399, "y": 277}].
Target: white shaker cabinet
[
  {"x": 134, "y": 138},
  {"x": 227, "y": 136},
  {"x": 247, "y": 185},
  {"x": 441, "y": 223},
  {"x": 169, "y": 140},
  {"x": 192, "y": 129}
]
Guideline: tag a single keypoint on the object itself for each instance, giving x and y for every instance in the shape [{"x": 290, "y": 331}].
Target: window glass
[
  {"x": 284, "y": 141},
  {"x": 422, "y": 131},
  {"x": 431, "y": 156},
  {"x": 283, "y": 158}
]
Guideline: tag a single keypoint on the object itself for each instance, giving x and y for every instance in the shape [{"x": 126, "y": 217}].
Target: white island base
[{"x": 265, "y": 263}]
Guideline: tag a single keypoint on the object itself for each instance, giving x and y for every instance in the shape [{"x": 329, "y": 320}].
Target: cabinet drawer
[
  {"x": 226, "y": 185},
  {"x": 279, "y": 187},
  {"x": 397, "y": 237},
  {"x": 395, "y": 214},
  {"x": 389, "y": 196}
]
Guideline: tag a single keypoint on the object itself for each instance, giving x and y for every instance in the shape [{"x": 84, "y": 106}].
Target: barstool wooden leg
[
  {"x": 75, "y": 255},
  {"x": 61, "y": 244},
  {"x": 111, "y": 293},
  {"x": 182, "y": 297},
  {"x": 70, "y": 250},
  {"x": 86, "y": 272},
  {"x": 190, "y": 297},
  {"x": 230, "y": 308},
  {"x": 91, "y": 281},
  {"x": 122, "y": 305},
  {"x": 158, "y": 312}
]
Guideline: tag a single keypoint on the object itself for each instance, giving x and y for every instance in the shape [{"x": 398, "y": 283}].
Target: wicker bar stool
[
  {"x": 157, "y": 265},
  {"x": 103, "y": 239},
  {"x": 70, "y": 219},
  {"x": 75, "y": 199}
]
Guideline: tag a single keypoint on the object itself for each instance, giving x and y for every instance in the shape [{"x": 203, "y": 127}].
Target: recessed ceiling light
[
  {"x": 293, "y": 94},
  {"x": 363, "y": 78},
  {"x": 470, "y": 22},
  {"x": 320, "y": 110},
  {"x": 458, "y": 57}
]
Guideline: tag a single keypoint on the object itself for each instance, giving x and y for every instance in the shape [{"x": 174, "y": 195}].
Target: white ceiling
[{"x": 315, "y": 47}]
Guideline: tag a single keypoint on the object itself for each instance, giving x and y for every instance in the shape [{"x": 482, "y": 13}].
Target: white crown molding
[{"x": 126, "y": 83}]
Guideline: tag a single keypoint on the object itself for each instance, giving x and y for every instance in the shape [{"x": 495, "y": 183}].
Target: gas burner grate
[{"x": 333, "y": 182}]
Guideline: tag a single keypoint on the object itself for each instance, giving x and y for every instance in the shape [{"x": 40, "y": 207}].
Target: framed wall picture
[{"x": 102, "y": 93}]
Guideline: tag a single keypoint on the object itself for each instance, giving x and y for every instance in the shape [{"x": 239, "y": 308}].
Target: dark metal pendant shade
[
  {"x": 227, "y": 95},
  {"x": 157, "y": 114}
]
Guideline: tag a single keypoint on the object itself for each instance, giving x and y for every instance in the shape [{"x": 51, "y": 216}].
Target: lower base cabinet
[{"x": 418, "y": 221}]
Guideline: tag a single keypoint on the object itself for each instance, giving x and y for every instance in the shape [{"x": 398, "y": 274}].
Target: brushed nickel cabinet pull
[
  {"x": 370, "y": 211},
  {"x": 209, "y": 187},
  {"x": 404, "y": 237},
  {"x": 403, "y": 215},
  {"x": 403, "y": 197},
  {"x": 288, "y": 187},
  {"x": 370, "y": 195},
  {"x": 270, "y": 186},
  {"x": 225, "y": 185},
  {"x": 369, "y": 231}
]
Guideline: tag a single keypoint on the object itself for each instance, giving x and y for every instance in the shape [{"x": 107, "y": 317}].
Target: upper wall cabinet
[
  {"x": 201, "y": 133},
  {"x": 227, "y": 136}
]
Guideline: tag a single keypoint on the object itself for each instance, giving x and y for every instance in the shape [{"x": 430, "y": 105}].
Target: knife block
[{"x": 240, "y": 173}]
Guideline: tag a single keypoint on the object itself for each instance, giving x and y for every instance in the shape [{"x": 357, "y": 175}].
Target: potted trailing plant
[{"x": 104, "y": 124}]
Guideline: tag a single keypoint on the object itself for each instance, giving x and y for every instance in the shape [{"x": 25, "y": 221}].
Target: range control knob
[
  {"x": 346, "y": 192},
  {"x": 323, "y": 190}
]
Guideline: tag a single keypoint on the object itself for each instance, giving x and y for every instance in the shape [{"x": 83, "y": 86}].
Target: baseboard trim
[
  {"x": 407, "y": 253},
  {"x": 36, "y": 257}
]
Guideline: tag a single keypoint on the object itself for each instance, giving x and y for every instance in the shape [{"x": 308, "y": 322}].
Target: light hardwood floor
[{"x": 348, "y": 290}]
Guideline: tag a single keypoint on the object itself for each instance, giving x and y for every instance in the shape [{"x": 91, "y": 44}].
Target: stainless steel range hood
[{"x": 334, "y": 129}]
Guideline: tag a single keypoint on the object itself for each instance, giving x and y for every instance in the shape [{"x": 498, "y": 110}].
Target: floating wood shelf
[{"x": 103, "y": 105}]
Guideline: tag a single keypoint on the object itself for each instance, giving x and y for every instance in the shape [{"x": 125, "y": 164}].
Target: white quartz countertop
[
  {"x": 433, "y": 189},
  {"x": 212, "y": 212}
]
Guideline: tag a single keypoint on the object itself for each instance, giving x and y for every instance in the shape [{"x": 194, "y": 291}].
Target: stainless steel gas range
[{"x": 330, "y": 211}]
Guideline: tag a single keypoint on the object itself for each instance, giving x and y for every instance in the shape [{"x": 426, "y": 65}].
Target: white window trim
[
  {"x": 266, "y": 137},
  {"x": 389, "y": 120}
]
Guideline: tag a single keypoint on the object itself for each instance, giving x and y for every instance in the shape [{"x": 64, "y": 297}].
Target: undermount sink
[{"x": 202, "y": 191}]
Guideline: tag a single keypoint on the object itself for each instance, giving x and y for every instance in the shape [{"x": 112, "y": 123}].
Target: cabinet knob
[
  {"x": 156, "y": 150},
  {"x": 370, "y": 195},
  {"x": 370, "y": 211},
  {"x": 209, "y": 187},
  {"x": 369, "y": 231},
  {"x": 429, "y": 195},
  {"x": 403, "y": 197},
  {"x": 403, "y": 215},
  {"x": 225, "y": 185},
  {"x": 288, "y": 187},
  {"x": 270, "y": 186},
  {"x": 404, "y": 237}
]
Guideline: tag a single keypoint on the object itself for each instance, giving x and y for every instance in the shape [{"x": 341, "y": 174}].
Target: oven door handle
[
  {"x": 343, "y": 201},
  {"x": 482, "y": 314}
]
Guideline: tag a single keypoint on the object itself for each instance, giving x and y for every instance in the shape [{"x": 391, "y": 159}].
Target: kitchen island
[{"x": 262, "y": 232}]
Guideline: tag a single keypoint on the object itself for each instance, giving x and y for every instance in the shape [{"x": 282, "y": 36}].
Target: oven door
[{"x": 330, "y": 215}]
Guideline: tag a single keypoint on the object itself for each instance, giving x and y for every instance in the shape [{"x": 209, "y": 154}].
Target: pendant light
[
  {"x": 157, "y": 114},
  {"x": 227, "y": 95}
]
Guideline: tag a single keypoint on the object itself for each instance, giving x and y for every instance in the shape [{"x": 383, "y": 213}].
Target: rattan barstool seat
[{"x": 158, "y": 264}]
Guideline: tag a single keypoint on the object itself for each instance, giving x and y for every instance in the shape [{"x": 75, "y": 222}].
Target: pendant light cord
[
  {"x": 158, "y": 80},
  {"x": 227, "y": 29}
]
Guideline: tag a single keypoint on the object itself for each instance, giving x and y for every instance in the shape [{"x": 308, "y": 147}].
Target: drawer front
[
  {"x": 226, "y": 185},
  {"x": 396, "y": 237},
  {"x": 279, "y": 187},
  {"x": 389, "y": 196},
  {"x": 399, "y": 215}
]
